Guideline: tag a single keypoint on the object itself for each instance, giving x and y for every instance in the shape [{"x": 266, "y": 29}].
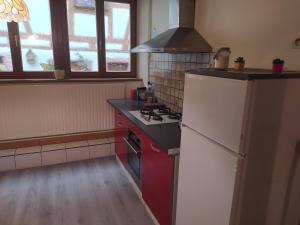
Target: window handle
[
  {"x": 100, "y": 45},
  {"x": 16, "y": 37}
]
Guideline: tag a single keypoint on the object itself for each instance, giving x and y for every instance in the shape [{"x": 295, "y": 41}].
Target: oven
[{"x": 134, "y": 155}]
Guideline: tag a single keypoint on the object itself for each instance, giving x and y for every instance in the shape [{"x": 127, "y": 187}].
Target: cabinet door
[
  {"x": 157, "y": 181},
  {"x": 120, "y": 132}
]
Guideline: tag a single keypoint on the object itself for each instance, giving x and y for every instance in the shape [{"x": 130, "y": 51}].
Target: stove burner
[
  {"x": 175, "y": 116},
  {"x": 157, "y": 113},
  {"x": 148, "y": 114},
  {"x": 164, "y": 111},
  {"x": 157, "y": 117},
  {"x": 146, "y": 111}
]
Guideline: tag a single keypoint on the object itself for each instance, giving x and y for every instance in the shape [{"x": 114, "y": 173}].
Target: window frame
[{"x": 60, "y": 40}]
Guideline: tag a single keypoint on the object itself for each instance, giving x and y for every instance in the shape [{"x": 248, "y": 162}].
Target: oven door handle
[{"x": 130, "y": 146}]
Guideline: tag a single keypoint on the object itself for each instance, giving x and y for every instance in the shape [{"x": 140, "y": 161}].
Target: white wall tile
[
  {"x": 8, "y": 152},
  {"x": 98, "y": 141},
  {"x": 28, "y": 160},
  {"x": 54, "y": 157},
  {"x": 77, "y": 144},
  {"x": 112, "y": 149},
  {"x": 7, "y": 163},
  {"x": 46, "y": 148},
  {"x": 34, "y": 149},
  {"x": 76, "y": 154},
  {"x": 98, "y": 151}
]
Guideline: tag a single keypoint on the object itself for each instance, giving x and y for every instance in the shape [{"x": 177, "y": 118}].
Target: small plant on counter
[
  {"x": 239, "y": 63},
  {"x": 278, "y": 65}
]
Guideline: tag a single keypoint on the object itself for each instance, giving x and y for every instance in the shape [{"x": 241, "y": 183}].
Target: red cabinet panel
[
  {"x": 157, "y": 181},
  {"x": 120, "y": 132},
  {"x": 157, "y": 170}
]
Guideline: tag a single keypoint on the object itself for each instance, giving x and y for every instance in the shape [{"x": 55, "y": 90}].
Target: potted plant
[
  {"x": 239, "y": 63},
  {"x": 59, "y": 74},
  {"x": 278, "y": 65}
]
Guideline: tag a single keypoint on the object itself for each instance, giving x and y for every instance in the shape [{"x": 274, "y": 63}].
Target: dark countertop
[
  {"x": 247, "y": 74},
  {"x": 167, "y": 136}
]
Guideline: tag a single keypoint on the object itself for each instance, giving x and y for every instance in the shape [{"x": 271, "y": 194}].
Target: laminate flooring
[{"x": 94, "y": 192}]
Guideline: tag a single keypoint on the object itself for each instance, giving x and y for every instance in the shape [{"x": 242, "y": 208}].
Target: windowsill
[{"x": 72, "y": 80}]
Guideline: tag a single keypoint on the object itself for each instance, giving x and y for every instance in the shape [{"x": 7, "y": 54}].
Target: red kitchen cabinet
[
  {"x": 120, "y": 132},
  {"x": 157, "y": 181}
]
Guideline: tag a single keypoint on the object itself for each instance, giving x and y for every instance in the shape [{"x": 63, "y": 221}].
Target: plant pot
[
  {"x": 278, "y": 68},
  {"x": 239, "y": 66},
  {"x": 59, "y": 74}
]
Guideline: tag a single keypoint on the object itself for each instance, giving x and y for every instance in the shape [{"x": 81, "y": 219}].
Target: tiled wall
[
  {"x": 22, "y": 158},
  {"x": 167, "y": 75}
]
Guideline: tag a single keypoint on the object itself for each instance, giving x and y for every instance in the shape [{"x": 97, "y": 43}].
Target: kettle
[{"x": 222, "y": 58}]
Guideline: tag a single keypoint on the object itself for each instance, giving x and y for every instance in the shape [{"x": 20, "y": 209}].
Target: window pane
[
  {"x": 36, "y": 38},
  {"x": 117, "y": 36},
  {"x": 82, "y": 35},
  {"x": 5, "y": 53}
]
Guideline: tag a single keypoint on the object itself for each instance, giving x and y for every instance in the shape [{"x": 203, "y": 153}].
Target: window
[
  {"x": 5, "y": 53},
  {"x": 86, "y": 38},
  {"x": 82, "y": 29},
  {"x": 117, "y": 37},
  {"x": 36, "y": 38}
]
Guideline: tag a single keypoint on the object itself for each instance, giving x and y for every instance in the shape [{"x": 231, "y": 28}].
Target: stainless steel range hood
[{"x": 181, "y": 37}]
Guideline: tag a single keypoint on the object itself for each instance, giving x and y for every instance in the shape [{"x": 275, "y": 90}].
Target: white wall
[
  {"x": 144, "y": 26},
  {"x": 151, "y": 14},
  {"x": 160, "y": 15},
  {"x": 258, "y": 30}
]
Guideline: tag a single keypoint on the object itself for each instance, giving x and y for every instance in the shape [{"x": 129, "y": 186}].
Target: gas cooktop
[{"x": 156, "y": 114}]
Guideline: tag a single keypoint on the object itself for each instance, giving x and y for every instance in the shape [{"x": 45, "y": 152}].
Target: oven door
[{"x": 133, "y": 162}]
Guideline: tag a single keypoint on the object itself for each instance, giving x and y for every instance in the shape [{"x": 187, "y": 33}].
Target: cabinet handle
[{"x": 154, "y": 149}]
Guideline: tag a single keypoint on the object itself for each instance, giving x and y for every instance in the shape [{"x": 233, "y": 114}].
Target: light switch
[{"x": 296, "y": 43}]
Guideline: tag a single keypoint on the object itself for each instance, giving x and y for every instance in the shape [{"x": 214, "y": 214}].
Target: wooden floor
[{"x": 83, "y": 193}]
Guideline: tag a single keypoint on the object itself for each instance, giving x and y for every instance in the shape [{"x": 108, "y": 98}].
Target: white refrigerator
[{"x": 223, "y": 119}]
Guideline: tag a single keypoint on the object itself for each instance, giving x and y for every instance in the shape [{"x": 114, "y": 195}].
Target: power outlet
[{"x": 296, "y": 44}]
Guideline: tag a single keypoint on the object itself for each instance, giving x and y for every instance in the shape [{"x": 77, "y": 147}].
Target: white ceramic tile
[
  {"x": 54, "y": 157},
  {"x": 28, "y": 160},
  {"x": 111, "y": 140},
  {"x": 112, "y": 148},
  {"x": 7, "y": 163},
  {"x": 46, "y": 148},
  {"x": 98, "y": 151},
  {"x": 76, "y": 154},
  {"x": 7, "y": 152},
  {"x": 98, "y": 141},
  {"x": 34, "y": 149},
  {"x": 77, "y": 144}
]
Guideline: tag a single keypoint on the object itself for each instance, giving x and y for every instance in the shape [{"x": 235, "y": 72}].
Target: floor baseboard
[{"x": 57, "y": 139}]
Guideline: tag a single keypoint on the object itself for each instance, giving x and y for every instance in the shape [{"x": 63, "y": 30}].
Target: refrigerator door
[
  {"x": 214, "y": 107},
  {"x": 207, "y": 176}
]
